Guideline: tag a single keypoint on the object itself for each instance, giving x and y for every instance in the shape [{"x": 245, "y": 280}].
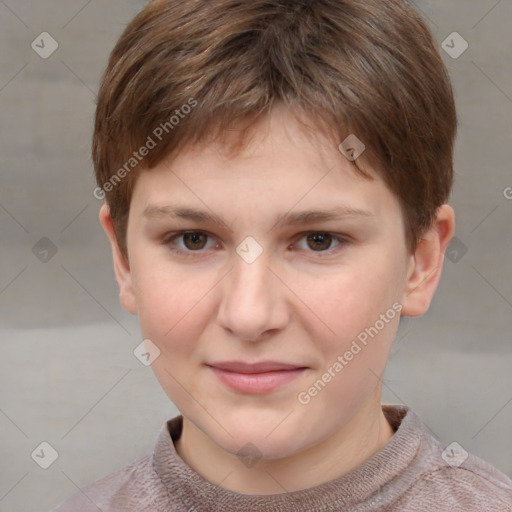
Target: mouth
[{"x": 255, "y": 378}]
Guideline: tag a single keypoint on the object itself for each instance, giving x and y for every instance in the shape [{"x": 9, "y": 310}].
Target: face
[{"x": 274, "y": 323}]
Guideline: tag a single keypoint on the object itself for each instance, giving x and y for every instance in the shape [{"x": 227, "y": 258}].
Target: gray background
[{"x": 67, "y": 372}]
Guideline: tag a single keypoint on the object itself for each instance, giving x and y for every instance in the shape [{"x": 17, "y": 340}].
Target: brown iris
[
  {"x": 322, "y": 241},
  {"x": 194, "y": 240}
]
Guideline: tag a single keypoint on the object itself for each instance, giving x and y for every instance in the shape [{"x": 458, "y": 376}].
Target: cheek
[
  {"x": 174, "y": 309},
  {"x": 353, "y": 340},
  {"x": 364, "y": 315},
  {"x": 173, "y": 306},
  {"x": 344, "y": 304}
]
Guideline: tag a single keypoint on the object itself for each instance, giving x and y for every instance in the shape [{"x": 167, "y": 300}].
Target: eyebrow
[{"x": 286, "y": 219}]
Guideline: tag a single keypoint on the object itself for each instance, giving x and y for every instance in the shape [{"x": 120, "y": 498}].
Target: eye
[
  {"x": 321, "y": 242},
  {"x": 195, "y": 243},
  {"x": 192, "y": 241}
]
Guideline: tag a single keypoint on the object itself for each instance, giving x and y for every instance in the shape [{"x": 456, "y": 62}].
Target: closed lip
[{"x": 252, "y": 368}]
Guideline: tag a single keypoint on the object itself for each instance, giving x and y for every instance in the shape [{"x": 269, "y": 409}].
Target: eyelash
[{"x": 169, "y": 241}]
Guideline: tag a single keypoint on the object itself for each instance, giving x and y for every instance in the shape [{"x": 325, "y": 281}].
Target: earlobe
[
  {"x": 121, "y": 265},
  {"x": 427, "y": 263}
]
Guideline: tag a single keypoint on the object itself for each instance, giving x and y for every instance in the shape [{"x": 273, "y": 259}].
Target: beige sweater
[{"x": 408, "y": 474}]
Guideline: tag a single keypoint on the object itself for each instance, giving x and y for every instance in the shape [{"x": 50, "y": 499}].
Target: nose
[{"x": 254, "y": 302}]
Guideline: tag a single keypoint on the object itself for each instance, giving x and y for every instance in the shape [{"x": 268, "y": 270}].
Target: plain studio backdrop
[{"x": 68, "y": 375}]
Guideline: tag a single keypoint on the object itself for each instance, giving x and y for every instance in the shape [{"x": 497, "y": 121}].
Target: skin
[{"x": 301, "y": 301}]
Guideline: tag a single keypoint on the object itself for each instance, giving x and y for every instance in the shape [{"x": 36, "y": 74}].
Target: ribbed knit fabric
[{"x": 408, "y": 474}]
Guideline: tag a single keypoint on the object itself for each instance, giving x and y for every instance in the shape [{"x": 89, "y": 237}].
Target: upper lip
[{"x": 261, "y": 367}]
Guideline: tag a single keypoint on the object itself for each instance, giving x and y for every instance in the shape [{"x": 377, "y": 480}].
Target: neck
[{"x": 342, "y": 452}]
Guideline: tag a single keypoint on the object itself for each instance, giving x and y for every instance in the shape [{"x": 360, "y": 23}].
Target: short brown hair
[{"x": 364, "y": 67}]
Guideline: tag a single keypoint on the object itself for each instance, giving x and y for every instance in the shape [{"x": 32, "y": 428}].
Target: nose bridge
[{"x": 251, "y": 302}]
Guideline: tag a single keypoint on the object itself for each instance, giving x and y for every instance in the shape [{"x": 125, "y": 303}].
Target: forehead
[
  {"x": 284, "y": 165},
  {"x": 283, "y": 130}
]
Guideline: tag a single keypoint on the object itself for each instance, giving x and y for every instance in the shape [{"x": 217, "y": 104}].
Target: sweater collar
[{"x": 359, "y": 485}]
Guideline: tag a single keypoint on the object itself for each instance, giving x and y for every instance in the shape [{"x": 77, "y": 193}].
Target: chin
[
  {"x": 249, "y": 439},
  {"x": 261, "y": 449}
]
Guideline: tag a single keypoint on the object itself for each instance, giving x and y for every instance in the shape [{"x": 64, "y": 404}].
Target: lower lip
[{"x": 256, "y": 383}]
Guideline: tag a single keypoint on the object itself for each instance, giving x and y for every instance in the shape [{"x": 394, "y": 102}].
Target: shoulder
[
  {"x": 456, "y": 482},
  {"x": 458, "y": 489},
  {"x": 127, "y": 488}
]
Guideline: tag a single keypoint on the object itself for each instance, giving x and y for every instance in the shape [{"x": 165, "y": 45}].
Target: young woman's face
[{"x": 275, "y": 312}]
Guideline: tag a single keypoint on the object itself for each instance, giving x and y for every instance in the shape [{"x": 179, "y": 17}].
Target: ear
[
  {"x": 121, "y": 265},
  {"x": 426, "y": 263}
]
